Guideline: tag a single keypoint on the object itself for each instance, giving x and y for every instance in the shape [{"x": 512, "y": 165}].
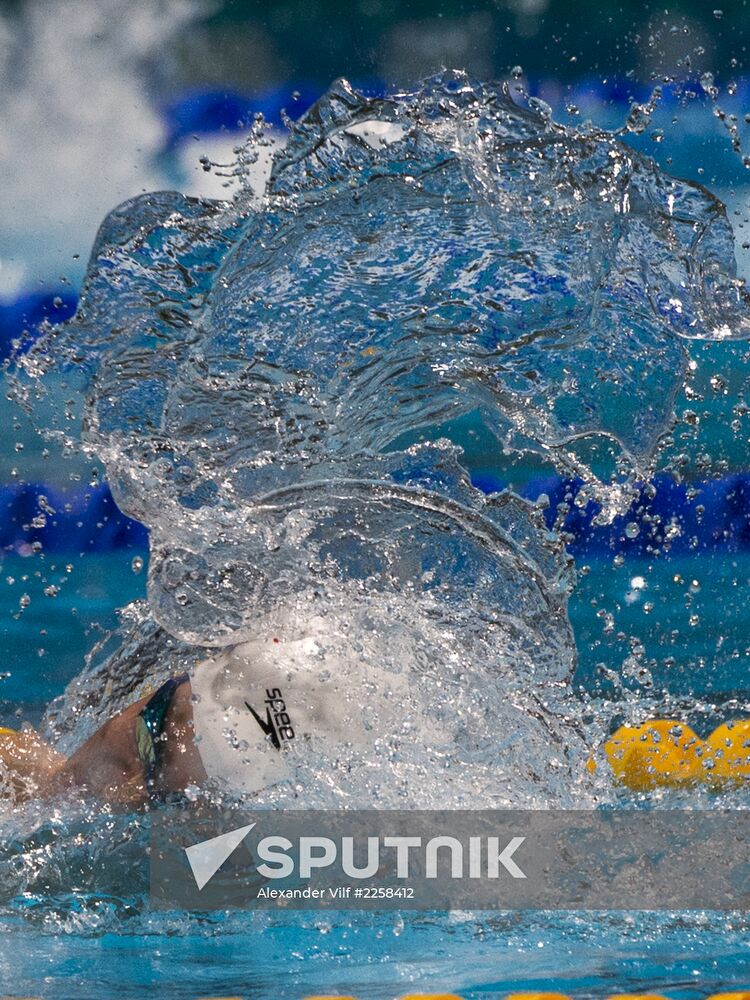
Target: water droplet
[
  {"x": 137, "y": 564},
  {"x": 191, "y": 793},
  {"x": 632, "y": 530}
]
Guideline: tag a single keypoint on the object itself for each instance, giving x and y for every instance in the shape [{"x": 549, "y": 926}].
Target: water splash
[{"x": 270, "y": 387}]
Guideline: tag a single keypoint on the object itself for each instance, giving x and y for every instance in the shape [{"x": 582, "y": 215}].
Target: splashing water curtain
[{"x": 271, "y": 388}]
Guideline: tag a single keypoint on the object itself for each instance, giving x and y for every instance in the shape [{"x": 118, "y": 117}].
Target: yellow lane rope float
[
  {"x": 509, "y": 996},
  {"x": 666, "y": 753},
  {"x": 744, "y": 995}
]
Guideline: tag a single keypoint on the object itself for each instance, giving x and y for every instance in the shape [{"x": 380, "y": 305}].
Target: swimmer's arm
[{"x": 108, "y": 765}]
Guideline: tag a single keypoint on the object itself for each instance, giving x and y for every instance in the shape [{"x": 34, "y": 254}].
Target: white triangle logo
[{"x": 207, "y": 857}]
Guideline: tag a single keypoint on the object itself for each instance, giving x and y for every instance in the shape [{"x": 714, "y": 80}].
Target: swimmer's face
[{"x": 27, "y": 764}]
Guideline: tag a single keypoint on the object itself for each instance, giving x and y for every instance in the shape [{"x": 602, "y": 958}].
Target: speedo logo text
[{"x": 276, "y": 723}]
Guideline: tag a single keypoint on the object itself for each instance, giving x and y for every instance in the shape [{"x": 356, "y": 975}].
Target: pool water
[
  {"x": 374, "y": 958},
  {"x": 66, "y": 947}
]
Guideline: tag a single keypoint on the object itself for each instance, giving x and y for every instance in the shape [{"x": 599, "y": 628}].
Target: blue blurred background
[{"x": 104, "y": 99}]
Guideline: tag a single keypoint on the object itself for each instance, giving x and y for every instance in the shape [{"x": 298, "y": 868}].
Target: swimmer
[
  {"x": 244, "y": 718},
  {"x": 253, "y": 709}
]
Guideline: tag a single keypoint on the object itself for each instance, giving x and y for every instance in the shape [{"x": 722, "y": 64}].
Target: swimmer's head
[{"x": 27, "y": 763}]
